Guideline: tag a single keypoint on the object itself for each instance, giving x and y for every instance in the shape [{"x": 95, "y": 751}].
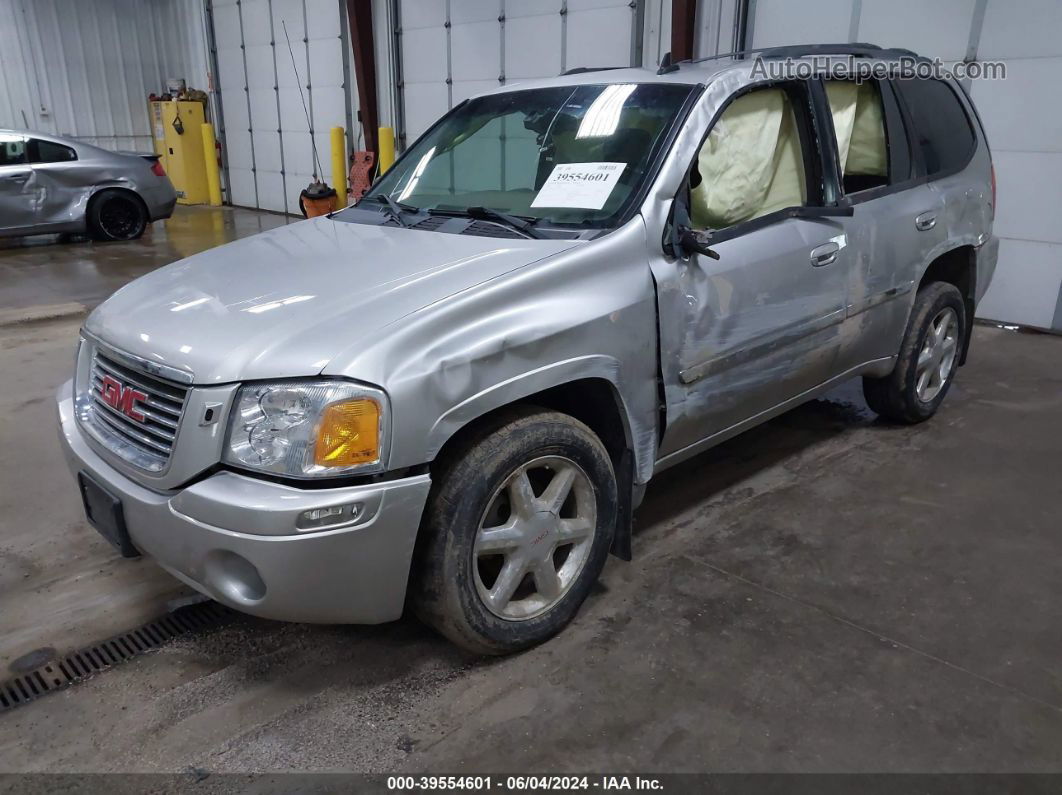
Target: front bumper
[{"x": 233, "y": 538}]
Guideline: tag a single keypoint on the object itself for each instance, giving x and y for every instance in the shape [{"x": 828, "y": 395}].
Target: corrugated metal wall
[
  {"x": 84, "y": 69},
  {"x": 714, "y": 32}
]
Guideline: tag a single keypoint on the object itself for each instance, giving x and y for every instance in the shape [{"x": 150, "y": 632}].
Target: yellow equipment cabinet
[{"x": 177, "y": 128}]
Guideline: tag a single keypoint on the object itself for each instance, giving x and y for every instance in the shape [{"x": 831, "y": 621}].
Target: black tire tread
[
  {"x": 435, "y": 595},
  {"x": 893, "y": 396},
  {"x": 96, "y": 231}
]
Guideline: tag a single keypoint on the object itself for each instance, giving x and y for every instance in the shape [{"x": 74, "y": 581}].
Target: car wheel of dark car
[
  {"x": 116, "y": 215},
  {"x": 518, "y": 526},
  {"x": 929, "y": 356}
]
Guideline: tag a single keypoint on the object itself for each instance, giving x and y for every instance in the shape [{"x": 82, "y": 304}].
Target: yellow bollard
[
  {"x": 210, "y": 155},
  {"x": 339, "y": 166},
  {"x": 387, "y": 148}
]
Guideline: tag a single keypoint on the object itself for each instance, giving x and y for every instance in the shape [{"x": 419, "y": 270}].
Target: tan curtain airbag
[
  {"x": 859, "y": 127},
  {"x": 750, "y": 164}
]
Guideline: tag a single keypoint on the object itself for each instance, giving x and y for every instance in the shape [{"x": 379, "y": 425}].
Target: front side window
[
  {"x": 564, "y": 155},
  {"x": 751, "y": 164},
  {"x": 48, "y": 152},
  {"x": 859, "y": 129},
  {"x": 12, "y": 150},
  {"x": 942, "y": 131}
]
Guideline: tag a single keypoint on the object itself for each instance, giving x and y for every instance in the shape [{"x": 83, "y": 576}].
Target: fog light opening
[
  {"x": 321, "y": 518},
  {"x": 235, "y": 577}
]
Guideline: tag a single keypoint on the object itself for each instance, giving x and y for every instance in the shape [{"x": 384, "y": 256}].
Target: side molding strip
[{"x": 768, "y": 344}]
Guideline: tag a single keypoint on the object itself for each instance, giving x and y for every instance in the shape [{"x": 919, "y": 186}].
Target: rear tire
[
  {"x": 928, "y": 358},
  {"x": 516, "y": 531},
  {"x": 116, "y": 215}
]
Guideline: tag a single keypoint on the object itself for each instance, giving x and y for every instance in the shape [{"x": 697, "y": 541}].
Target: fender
[
  {"x": 974, "y": 243},
  {"x": 522, "y": 386}
]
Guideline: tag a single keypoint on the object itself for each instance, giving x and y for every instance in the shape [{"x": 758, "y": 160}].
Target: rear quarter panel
[{"x": 66, "y": 188}]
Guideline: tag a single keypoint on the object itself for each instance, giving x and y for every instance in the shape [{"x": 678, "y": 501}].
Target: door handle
[
  {"x": 926, "y": 221},
  {"x": 824, "y": 254},
  {"x": 21, "y": 176}
]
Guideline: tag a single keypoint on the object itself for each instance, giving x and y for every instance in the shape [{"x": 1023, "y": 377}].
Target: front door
[{"x": 761, "y": 324}]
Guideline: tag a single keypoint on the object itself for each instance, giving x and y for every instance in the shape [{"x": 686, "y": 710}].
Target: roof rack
[
  {"x": 858, "y": 49},
  {"x": 578, "y": 70}
]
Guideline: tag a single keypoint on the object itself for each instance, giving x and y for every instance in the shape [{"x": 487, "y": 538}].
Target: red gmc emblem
[{"x": 123, "y": 398}]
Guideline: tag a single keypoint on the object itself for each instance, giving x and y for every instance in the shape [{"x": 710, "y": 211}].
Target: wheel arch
[
  {"x": 957, "y": 266},
  {"x": 583, "y": 388}
]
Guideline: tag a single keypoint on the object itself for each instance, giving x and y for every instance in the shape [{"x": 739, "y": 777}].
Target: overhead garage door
[
  {"x": 1024, "y": 126},
  {"x": 452, "y": 49},
  {"x": 268, "y": 154}
]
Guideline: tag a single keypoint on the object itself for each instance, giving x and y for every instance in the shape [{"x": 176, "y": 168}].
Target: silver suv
[{"x": 455, "y": 393}]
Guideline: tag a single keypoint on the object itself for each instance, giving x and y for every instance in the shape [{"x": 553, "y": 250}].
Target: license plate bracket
[{"x": 104, "y": 512}]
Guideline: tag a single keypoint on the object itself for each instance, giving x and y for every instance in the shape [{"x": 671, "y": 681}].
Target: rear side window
[
  {"x": 859, "y": 130},
  {"x": 942, "y": 131},
  {"x": 48, "y": 152},
  {"x": 12, "y": 150}
]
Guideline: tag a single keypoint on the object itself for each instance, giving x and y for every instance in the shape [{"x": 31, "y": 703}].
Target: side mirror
[{"x": 696, "y": 242}]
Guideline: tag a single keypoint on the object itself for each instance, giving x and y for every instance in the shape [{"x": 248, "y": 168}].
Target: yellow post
[
  {"x": 339, "y": 166},
  {"x": 387, "y": 148},
  {"x": 210, "y": 155}
]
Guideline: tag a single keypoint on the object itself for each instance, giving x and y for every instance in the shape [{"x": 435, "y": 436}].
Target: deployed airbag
[
  {"x": 859, "y": 126},
  {"x": 750, "y": 164}
]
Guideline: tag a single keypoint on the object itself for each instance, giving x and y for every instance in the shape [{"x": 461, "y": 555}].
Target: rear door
[
  {"x": 894, "y": 227},
  {"x": 16, "y": 184}
]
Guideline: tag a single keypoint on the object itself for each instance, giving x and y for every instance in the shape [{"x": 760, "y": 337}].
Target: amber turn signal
[{"x": 349, "y": 434}]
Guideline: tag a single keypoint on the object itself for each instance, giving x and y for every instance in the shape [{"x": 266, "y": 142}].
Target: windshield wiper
[
  {"x": 393, "y": 209},
  {"x": 522, "y": 225}
]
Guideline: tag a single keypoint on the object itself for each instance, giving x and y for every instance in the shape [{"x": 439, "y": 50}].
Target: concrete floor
[{"x": 824, "y": 593}]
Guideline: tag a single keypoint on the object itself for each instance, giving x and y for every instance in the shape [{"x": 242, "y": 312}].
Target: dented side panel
[
  {"x": 18, "y": 191},
  {"x": 54, "y": 197},
  {"x": 588, "y": 312}
]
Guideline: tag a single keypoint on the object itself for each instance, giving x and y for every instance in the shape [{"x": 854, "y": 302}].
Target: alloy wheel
[
  {"x": 119, "y": 218},
  {"x": 534, "y": 538},
  {"x": 937, "y": 359}
]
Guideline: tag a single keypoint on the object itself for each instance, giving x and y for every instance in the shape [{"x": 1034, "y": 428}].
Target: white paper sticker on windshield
[{"x": 583, "y": 185}]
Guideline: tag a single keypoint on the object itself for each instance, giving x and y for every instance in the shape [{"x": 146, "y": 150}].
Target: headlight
[{"x": 309, "y": 429}]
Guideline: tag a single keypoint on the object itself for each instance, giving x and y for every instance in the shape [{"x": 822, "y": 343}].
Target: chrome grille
[{"x": 148, "y": 444}]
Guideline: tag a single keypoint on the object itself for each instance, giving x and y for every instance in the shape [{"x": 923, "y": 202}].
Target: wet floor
[{"x": 50, "y": 269}]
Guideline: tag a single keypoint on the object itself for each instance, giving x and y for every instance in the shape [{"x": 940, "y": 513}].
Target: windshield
[{"x": 564, "y": 155}]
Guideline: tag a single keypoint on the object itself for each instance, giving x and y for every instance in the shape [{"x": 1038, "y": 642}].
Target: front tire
[
  {"x": 516, "y": 532},
  {"x": 116, "y": 215},
  {"x": 928, "y": 358}
]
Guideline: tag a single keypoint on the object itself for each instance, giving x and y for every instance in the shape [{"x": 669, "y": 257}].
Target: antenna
[{"x": 316, "y": 165}]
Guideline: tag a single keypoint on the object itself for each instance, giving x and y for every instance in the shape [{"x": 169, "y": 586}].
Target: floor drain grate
[{"x": 84, "y": 663}]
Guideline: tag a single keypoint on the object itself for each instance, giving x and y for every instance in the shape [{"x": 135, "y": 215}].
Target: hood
[{"x": 284, "y": 302}]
